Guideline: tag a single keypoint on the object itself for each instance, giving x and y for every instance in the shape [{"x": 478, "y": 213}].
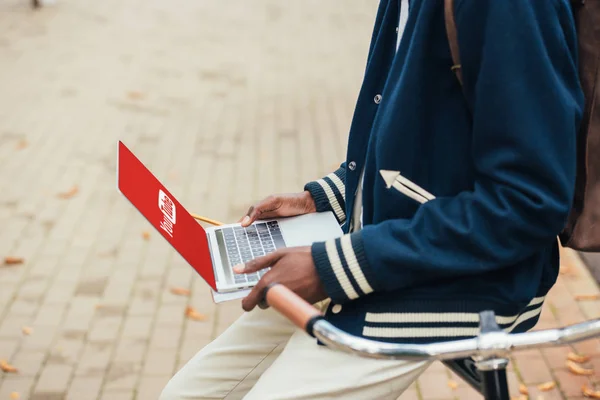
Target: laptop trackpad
[{"x": 307, "y": 229}]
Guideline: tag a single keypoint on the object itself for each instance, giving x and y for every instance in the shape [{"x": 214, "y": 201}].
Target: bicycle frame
[{"x": 489, "y": 351}]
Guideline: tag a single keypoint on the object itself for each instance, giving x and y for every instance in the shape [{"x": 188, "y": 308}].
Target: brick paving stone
[
  {"x": 434, "y": 385},
  {"x": 123, "y": 374},
  {"x": 167, "y": 297},
  {"x": 48, "y": 396},
  {"x": 437, "y": 366},
  {"x": 532, "y": 367},
  {"x": 151, "y": 386},
  {"x": 142, "y": 307},
  {"x": 513, "y": 383},
  {"x": 68, "y": 348},
  {"x": 110, "y": 309},
  {"x": 7, "y": 293},
  {"x": 166, "y": 337},
  {"x": 23, "y": 308},
  {"x": 118, "y": 291},
  {"x": 130, "y": 350},
  {"x": 595, "y": 363},
  {"x": 535, "y": 393},
  {"x": 137, "y": 327},
  {"x": 43, "y": 337},
  {"x": 570, "y": 385},
  {"x": 49, "y": 313},
  {"x": 44, "y": 268},
  {"x": 591, "y": 309},
  {"x": 16, "y": 383},
  {"x": 84, "y": 388},
  {"x": 589, "y": 347},
  {"x": 33, "y": 289},
  {"x": 159, "y": 362},
  {"x": 29, "y": 363},
  {"x": 60, "y": 291},
  {"x": 105, "y": 329},
  {"x": 170, "y": 314},
  {"x": 8, "y": 348},
  {"x": 94, "y": 360},
  {"x": 556, "y": 356},
  {"x": 199, "y": 330},
  {"x": 467, "y": 393},
  {"x": 54, "y": 379},
  {"x": 12, "y": 324},
  {"x": 118, "y": 395}
]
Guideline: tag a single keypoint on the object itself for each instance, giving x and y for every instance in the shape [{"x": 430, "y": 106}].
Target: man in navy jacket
[{"x": 482, "y": 185}]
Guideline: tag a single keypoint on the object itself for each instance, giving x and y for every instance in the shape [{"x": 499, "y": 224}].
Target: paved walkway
[{"x": 226, "y": 103}]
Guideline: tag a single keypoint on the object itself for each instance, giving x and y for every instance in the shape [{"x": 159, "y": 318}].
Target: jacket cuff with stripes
[
  {"x": 343, "y": 268},
  {"x": 329, "y": 193}
]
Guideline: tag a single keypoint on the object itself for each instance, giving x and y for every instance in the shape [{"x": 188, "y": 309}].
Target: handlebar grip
[{"x": 292, "y": 306}]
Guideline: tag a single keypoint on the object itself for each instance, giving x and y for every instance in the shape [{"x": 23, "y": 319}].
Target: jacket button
[
  {"x": 336, "y": 308},
  {"x": 377, "y": 99},
  {"x": 352, "y": 165}
]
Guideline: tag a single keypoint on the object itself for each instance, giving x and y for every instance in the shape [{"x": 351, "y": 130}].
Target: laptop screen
[{"x": 164, "y": 212}]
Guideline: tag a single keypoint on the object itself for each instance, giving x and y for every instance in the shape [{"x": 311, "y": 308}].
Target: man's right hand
[{"x": 280, "y": 205}]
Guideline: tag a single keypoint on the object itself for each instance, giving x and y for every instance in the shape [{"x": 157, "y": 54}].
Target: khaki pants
[{"x": 263, "y": 356}]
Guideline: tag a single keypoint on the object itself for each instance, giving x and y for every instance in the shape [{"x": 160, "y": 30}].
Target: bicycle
[{"x": 480, "y": 361}]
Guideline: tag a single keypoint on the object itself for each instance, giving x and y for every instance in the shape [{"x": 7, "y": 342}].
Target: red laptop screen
[{"x": 164, "y": 212}]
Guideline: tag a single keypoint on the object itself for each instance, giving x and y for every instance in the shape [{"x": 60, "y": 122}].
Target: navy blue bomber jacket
[{"x": 499, "y": 158}]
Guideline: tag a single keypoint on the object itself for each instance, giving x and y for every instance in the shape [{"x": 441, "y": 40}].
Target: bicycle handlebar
[{"x": 486, "y": 345}]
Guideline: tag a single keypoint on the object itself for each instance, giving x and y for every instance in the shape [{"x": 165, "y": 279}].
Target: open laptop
[{"x": 212, "y": 252}]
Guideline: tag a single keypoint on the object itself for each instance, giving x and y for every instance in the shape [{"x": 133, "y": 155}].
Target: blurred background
[{"x": 226, "y": 102}]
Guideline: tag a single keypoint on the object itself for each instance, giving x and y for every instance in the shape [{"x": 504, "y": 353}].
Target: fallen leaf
[
  {"x": 67, "y": 195},
  {"x": 133, "y": 95},
  {"x": 578, "y": 358},
  {"x": 180, "y": 291},
  {"x": 13, "y": 260},
  {"x": 523, "y": 389},
  {"x": 452, "y": 384},
  {"x": 146, "y": 235},
  {"x": 587, "y": 392},
  {"x": 22, "y": 144},
  {"x": 584, "y": 297},
  {"x": 578, "y": 369},
  {"x": 27, "y": 330},
  {"x": 6, "y": 367},
  {"x": 544, "y": 387},
  {"x": 15, "y": 396},
  {"x": 191, "y": 313}
]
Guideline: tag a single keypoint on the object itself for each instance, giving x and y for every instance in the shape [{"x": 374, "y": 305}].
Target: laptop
[{"x": 213, "y": 251}]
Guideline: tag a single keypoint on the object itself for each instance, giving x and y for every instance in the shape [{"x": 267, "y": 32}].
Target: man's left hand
[{"x": 292, "y": 267}]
